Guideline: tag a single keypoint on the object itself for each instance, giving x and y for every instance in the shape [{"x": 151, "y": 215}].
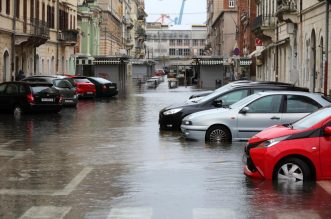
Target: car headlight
[
  {"x": 187, "y": 122},
  {"x": 172, "y": 111},
  {"x": 271, "y": 142}
]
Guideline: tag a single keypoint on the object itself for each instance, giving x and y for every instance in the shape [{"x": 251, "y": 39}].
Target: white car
[{"x": 251, "y": 115}]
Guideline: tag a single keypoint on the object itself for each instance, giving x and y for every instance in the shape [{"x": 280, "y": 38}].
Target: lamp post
[{"x": 177, "y": 54}]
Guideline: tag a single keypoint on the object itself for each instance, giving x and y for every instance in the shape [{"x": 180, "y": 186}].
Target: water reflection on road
[{"x": 108, "y": 159}]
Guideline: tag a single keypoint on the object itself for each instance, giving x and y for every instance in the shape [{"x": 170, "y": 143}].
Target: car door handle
[{"x": 275, "y": 118}]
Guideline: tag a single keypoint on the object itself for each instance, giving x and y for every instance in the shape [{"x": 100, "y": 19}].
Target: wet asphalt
[{"x": 108, "y": 159}]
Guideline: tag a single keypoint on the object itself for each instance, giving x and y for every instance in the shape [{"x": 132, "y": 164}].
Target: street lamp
[{"x": 177, "y": 54}]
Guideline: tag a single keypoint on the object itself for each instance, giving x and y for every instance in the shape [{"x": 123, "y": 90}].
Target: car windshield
[
  {"x": 215, "y": 93},
  {"x": 82, "y": 80},
  {"x": 312, "y": 119},
  {"x": 101, "y": 80},
  {"x": 41, "y": 89},
  {"x": 245, "y": 101}
]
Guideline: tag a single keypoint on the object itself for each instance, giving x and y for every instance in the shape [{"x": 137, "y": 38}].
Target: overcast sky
[{"x": 194, "y": 10}]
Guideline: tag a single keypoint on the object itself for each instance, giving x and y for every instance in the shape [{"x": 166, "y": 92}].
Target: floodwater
[{"x": 107, "y": 159}]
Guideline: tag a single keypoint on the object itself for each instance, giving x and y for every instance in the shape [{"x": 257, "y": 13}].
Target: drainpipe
[
  {"x": 13, "y": 63},
  {"x": 57, "y": 37},
  {"x": 326, "y": 47}
]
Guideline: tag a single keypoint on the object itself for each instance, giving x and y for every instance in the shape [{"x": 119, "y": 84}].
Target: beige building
[
  {"x": 221, "y": 27},
  {"x": 34, "y": 40},
  {"x": 293, "y": 46}
]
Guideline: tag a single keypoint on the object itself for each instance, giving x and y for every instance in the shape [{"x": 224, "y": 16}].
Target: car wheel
[
  {"x": 293, "y": 170},
  {"x": 18, "y": 110},
  {"x": 218, "y": 134}
]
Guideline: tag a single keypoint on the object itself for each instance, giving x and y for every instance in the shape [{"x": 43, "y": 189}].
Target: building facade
[
  {"x": 37, "y": 37},
  {"x": 293, "y": 43},
  {"x": 170, "y": 43}
]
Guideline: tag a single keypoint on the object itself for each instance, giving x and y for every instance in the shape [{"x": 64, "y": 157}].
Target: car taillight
[{"x": 30, "y": 98}]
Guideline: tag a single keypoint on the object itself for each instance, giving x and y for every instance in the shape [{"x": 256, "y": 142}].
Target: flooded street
[{"x": 107, "y": 159}]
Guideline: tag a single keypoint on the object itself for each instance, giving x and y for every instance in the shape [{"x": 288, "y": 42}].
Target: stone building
[
  {"x": 293, "y": 35},
  {"x": 38, "y": 37}
]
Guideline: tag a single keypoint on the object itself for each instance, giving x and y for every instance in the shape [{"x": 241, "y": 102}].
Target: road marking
[
  {"x": 44, "y": 212},
  {"x": 130, "y": 213},
  {"x": 326, "y": 185},
  {"x": 75, "y": 182},
  {"x": 298, "y": 214},
  {"x": 66, "y": 191},
  {"x": 213, "y": 213}
]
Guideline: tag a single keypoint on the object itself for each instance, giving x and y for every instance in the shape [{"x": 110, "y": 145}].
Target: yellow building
[{"x": 38, "y": 37}]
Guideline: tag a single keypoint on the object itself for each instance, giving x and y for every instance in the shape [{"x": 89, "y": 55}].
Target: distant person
[{"x": 20, "y": 75}]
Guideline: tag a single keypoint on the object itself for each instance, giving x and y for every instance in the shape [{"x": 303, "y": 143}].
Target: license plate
[
  {"x": 89, "y": 92},
  {"x": 111, "y": 87},
  {"x": 47, "y": 99},
  {"x": 68, "y": 101}
]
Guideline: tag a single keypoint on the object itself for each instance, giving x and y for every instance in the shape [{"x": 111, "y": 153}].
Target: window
[
  {"x": 17, "y": 8},
  {"x": 37, "y": 9},
  {"x": 8, "y": 7},
  {"x": 172, "y": 52},
  {"x": 179, "y": 42},
  {"x": 180, "y": 52},
  {"x": 12, "y": 89},
  {"x": 195, "y": 42},
  {"x": 0, "y": 5},
  {"x": 231, "y": 3},
  {"x": 32, "y": 9},
  {"x": 2, "y": 88},
  {"x": 267, "y": 104},
  {"x": 187, "y": 52},
  {"x": 300, "y": 104},
  {"x": 201, "y": 52},
  {"x": 43, "y": 11},
  {"x": 202, "y": 42},
  {"x": 233, "y": 97},
  {"x": 172, "y": 43},
  {"x": 186, "y": 42}
]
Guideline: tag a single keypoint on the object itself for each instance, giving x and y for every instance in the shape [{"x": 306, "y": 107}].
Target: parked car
[
  {"x": 61, "y": 84},
  {"x": 251, "y": 115},
  {"x": 295, "y": 152},
  {"x": 197, "y": 95},
  {"x": 19, "y": 97},
  {"x": 104, "y": 87},
  {"x": 84, "y": 87},
  {"x": 170, "y": 118}
]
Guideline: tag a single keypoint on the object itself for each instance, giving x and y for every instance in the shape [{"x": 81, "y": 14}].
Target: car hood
[
  {"x": 208, "y": 113},
  {"x": 272, "y": 132},
  {"x": 181, "y": 105}
]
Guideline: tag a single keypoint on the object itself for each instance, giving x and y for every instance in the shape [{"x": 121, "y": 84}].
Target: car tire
[
  {"x": 17, "y": 110},
  {"x": 217, "y": 134},
  {"x": 292, "y": 170}
]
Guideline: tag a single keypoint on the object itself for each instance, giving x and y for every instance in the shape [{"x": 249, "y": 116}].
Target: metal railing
[
  {"x": 264, "y": 22},
  {"x": 39, "y": 28}
]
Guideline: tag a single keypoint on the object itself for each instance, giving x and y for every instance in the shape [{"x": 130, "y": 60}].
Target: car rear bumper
[{"x": 44, "y": 107}]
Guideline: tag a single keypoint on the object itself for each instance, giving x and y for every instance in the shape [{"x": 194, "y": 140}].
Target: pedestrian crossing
[{"x": 54, "y": 212}]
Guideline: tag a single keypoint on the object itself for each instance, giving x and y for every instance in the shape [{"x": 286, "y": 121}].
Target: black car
[
  {"x": 104, "y": 87},
  {"x": 19, "y": 97},
  {"x": 60, "y": 83},
  {"x": 170, "y": 118}
]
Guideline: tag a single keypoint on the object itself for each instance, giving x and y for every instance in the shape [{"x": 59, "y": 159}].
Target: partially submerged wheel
[
  {"x": 217, "y": 134},
  {"x": 293, "y": 170}
]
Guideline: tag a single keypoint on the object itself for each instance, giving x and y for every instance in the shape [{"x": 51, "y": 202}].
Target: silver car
[{"x": 251, "y": 115}]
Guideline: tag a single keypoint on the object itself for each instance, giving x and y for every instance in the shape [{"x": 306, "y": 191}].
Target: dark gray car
[{"x": 67, "y": 91}]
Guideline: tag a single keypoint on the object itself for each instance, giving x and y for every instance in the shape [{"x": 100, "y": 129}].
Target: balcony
[
  {"x": 264, "y": 26},
  {"x": 68, "y": 37},
  {"x": 141, "y": 14},
  {"x": 140, "y": 33},
  {"x": 128, "y": 22},
  {"x": 287, "y": 11},
  {"x": 35, "y": 34}
]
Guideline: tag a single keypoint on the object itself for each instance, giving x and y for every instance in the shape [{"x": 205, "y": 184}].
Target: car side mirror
[
  {"x": 327, "y": 131},
  {"x": 218, "y": 103},
  {"x": 244, "y": 110}
]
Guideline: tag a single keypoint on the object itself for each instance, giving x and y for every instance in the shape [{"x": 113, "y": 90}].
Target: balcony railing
[
  {"x": 286, "y": 6},
  {"x": 68, "y": 36},
  {"x": 39, "y": 28},
  {"x": 264, "y": 22}
]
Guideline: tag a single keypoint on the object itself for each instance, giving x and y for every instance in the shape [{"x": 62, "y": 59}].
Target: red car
[
  {"x": 295, "y": 152},
  {"x": 84, "y": 87}
]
